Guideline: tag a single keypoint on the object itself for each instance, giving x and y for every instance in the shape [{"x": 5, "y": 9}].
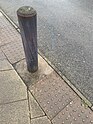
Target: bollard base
[
  {"x": 31, "y": 78},
  {"x": 32, "y": 70}
]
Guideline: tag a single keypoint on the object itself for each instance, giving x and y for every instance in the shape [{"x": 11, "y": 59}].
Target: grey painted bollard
[{"x": 27, "y": 18}]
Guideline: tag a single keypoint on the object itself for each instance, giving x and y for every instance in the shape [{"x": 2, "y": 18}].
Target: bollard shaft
[{"x": 27, "y": 18}]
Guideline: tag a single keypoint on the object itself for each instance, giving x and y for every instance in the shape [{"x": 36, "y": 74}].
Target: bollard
[{"x": 27, "y": 18}]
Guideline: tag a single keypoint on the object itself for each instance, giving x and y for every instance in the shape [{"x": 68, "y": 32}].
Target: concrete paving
[
  {"x": 2, "y": 56},
  {"x": 15, "y": 113},
  {"x": 65, "y": 29},
  {"x": 41, "y": 120},
  {"x": 46, "y": 100},
  {"x": 11, "y": 87},
  {"x": 35, "y": 108},
  {"x": 30, "y": 79},
  {"x": 17, "y": 105},
  {"x": 12, "y": 49},
  {"x": 5, "y": 65}
]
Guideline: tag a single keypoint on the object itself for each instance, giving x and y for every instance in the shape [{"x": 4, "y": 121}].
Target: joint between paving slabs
[
  {"x": 6, "y": 70},
  {"x": 6, "y": 56},
  {"x": 61, "y": 109},
  {"x": 13, "y": 102},
  {"x": 14, "y": 64},
  {"x": 41, "y": 117},
  {"x": 19, "y": 74},
  {"x": 37, "y": 102},
  {"x": 30, "y": 109},
  {"x": 29, "y": 105}
]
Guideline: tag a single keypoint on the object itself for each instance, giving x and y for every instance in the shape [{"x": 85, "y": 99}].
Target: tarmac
[{"x": 42, "y": 97}]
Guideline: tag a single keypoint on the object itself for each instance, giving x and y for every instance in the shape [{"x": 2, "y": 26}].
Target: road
[{"x": 65, "y": 37}]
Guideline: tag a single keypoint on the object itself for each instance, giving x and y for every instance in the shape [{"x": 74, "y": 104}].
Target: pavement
[
  {"x": 42, "y": 97},
  {"x": 65, "y": 29}
]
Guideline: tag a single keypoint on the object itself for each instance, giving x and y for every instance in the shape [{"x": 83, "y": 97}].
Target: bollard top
[{"x": 26, "y": 11}]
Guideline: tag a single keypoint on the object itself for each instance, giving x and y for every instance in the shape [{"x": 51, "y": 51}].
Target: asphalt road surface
[{"x": 65, "y": 37}]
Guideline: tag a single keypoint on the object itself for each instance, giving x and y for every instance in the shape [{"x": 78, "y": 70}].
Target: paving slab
[
  {"x": 31, "y": 78},
  {"x": 14, "y": 51},
  {"x": 7, "y": 32},
  {"x": 11, "y": 87},
  {"x": 5, "y": 65},
  {"x": 41, "y": 120},
  {"x": 35, "y": 108},
  {"x": 15, "y": 113},
  {"x": 74, "y": 113},
  {"x": 53, "y": 94},
  {"x": 10, "y": 41}
]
